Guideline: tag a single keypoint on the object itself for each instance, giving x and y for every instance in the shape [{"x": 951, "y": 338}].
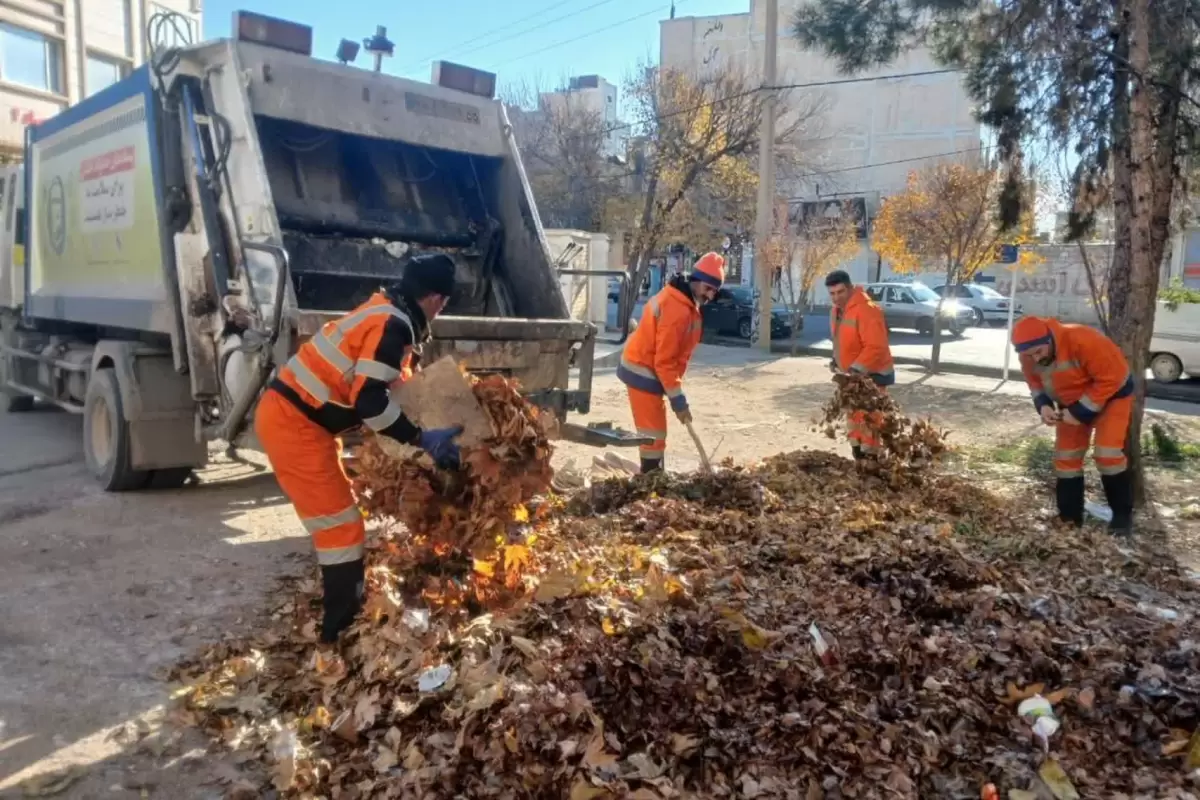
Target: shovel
[{"x": 705, "y": 464}]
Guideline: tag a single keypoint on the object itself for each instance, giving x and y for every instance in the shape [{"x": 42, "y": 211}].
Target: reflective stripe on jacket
[
  {"x": 343, "y": 372},
  {"x": 1089, "y": 370},
  {"x": 860, "y": 338},
  {"x": 657, "y": 353}
]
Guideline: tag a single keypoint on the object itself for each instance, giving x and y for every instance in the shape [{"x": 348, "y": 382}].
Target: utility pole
[{"x": 761, "y": 330}]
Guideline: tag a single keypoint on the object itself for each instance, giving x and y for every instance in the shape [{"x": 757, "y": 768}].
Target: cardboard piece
[{"x": 439, "y": 396}]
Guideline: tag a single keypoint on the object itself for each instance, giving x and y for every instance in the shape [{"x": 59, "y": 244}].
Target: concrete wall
[
  {"x": 866, "y": 123},
  {"x": 80, "y": 42}
]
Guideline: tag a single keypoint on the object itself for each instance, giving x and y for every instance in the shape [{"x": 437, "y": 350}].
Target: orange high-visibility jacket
[
  {"x": 860, "y": 339},
  {"x": 340, "y": 377},
  {"x": 1089, "y": 369},
  {"x": 657, "y": 353}
]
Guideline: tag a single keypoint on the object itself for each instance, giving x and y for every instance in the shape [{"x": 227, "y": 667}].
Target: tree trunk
[
  {"x": 935, "y": 357},
  {"x": 1133, "y": 290}
]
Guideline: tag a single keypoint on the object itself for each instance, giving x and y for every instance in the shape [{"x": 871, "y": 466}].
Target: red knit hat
[
  {"x": 1029, "y": 332},
  {"x": 709, "y": 269}
]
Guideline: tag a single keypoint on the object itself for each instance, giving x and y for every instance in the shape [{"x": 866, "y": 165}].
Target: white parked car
[
  {"x": 1175, "y": 346},
  {"x": 988, "y": 305}
]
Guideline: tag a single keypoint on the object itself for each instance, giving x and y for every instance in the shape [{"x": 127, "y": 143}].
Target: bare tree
[
  {"x": 699, "y": 136},
  {"x": 562, "y": 143},
  {"x": 803, "y": 248}
]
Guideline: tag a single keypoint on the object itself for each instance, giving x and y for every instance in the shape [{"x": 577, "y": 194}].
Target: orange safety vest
[
  {"x": 657, "y": 354},
  {"x": 860, "y": 339},
  {"x": 1089, "y": 370},
  {"x": 328, "y": 371}
]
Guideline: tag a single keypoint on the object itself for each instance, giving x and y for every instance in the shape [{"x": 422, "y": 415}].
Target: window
[
  {"x": 923, "y": 293},
  {"x": 173, "y": 29},
  {"x": 30, "y": 59},
  {"x": 875, "y": 293},
  {"x": 102, "y": 72}
]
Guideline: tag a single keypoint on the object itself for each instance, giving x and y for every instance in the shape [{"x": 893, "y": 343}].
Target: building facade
[
  {"x": 869, "y": 134},
  {"x": 54, "y": 53},
  {"x": 595, "y": 95}
]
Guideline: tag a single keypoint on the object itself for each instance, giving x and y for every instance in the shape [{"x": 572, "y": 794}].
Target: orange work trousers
[
  {"x": 308, "y": 465},
  {"x": 650, "y": 419},
  {"x": 1111, "y": 427},
  {"x": 861, "y": 432}
]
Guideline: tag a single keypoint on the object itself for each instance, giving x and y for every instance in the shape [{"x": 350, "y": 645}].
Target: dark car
[{"x": 731, "y": 312}]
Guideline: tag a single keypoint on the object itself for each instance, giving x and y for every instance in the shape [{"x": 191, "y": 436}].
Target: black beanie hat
[{"x": 430, "y": 273}]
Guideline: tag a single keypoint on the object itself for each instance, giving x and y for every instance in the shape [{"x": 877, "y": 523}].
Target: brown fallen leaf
[{"x": 1057, "y": 781}]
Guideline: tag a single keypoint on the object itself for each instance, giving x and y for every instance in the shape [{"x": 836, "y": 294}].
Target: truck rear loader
[{"x": 172, "y": 239}]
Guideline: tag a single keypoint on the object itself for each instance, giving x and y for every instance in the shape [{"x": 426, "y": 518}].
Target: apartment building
[
  {"x": 54, "y": 53},
  {"x": 594, "y": 95},
  {"x": 870, "y": 133}
]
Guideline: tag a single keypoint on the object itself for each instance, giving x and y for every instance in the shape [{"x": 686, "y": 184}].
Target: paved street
[{"x": 980, "y": 350}]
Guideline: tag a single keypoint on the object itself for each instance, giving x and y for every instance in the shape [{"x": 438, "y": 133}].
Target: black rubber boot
[
  {"x": 651, "y": 465},
  {"x": 857, "y": 452},
  {"x": 1118, "y": 490},
  {"x": 344, "y": 585},
  {"x": 1069, "y": 493}
]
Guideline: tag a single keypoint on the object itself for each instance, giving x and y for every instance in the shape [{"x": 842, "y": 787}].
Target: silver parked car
[
  {"x": 988, "y": 305},
  {"x": 912, "y": 304}
]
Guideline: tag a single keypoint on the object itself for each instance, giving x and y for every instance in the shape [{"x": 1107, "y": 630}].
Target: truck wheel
[
  {"x": 1166, "y": 368},
  {"x": 745, "y": 328},
  {"x": 106, "y": 435}
]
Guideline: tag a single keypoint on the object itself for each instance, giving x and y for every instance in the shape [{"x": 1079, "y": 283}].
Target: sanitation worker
[
  {"x": 657, "y": 353},
  {"x": 1080, "y": 382},
  {"x": 860, "y": 344},
  {"x": 337, "y": 381}
]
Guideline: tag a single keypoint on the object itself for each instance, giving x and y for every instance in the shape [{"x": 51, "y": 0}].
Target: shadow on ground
[{"x": 103, "y": 594}]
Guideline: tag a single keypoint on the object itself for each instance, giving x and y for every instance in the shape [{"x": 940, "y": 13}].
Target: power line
[
  {"x": 526, "y": 31},
  {"x": 838, "y": 170},
  {"x": 590, "y": 34},
  {"x": 809, "y": 85},
  {"x": 493, "y": 32}
]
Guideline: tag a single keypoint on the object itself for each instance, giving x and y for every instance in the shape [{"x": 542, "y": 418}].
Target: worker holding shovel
[
  {"x": 1080, "y": 382},
  {"x": 657, "y": 353},
  {"x": 860, "y": 344}
]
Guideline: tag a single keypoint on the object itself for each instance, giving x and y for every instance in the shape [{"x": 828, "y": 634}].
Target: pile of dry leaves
[
  {"x": 461, "y": 512},
  {"x": 799, "y": 629},
  {"x": 903, "y": 442}
]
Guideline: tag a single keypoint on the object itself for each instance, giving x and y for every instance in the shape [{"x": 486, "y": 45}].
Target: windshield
[
  {"x": 923, "y": 294},
  {"x": 989, "y": 293}
]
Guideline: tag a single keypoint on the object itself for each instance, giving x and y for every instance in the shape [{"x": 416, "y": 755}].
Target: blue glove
[
  {"x": 439, "y": 443},
  {"x": 679, "y": 403}
]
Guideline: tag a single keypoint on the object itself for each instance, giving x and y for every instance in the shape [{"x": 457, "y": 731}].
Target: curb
[{"x": 1153, "y": 388}]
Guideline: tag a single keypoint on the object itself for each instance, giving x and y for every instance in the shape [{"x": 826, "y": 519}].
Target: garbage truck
[{"x": 172, "y": 239}]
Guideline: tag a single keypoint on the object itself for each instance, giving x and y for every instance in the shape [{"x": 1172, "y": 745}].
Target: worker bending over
[
  {"x": 1080, "y": 382},
  {"x": 657, "y": 353},
  {"x": 860, "y": 344},
  {"x": 337, "y": 381}
]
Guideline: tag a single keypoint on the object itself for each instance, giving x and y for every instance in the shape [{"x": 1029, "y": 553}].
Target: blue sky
[{"x": 520, "y": 40}]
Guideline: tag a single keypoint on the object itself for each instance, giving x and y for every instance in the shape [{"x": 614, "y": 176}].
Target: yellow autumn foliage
[{"x": 946, "y": 220}]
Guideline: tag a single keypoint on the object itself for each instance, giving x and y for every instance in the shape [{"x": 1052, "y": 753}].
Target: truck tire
[{"x": 106, "y": 436}]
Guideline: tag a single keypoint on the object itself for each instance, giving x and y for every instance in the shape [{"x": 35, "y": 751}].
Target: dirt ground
[{"x": 104, "y": 592}]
